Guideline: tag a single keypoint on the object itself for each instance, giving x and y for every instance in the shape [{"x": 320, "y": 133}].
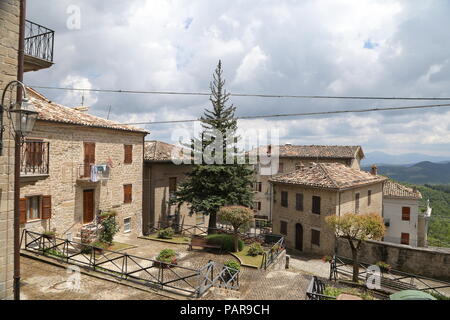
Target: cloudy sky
[{"x": 316, "y": 47}]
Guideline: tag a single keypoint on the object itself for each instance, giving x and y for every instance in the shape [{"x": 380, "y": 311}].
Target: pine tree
[{"x": 208, "y": 187}]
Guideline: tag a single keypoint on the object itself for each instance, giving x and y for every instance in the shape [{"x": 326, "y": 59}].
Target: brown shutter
[
  {"x": 46, "y": 207},
  {"x": 23, "y": 210},
  {"x": 89, "y": 157},
  {"x": 128, "y": 150},
  {"x": 127, "y": 193}
]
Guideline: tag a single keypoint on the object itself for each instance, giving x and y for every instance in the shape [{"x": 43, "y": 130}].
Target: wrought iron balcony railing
[
  {"x": 39, "y": 41},
  {"x": 34, "y": 158}
]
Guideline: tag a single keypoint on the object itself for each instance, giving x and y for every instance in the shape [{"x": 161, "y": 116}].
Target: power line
[
  {"x": 243, "y": 94},
  {"x": 299, "y": 114}
]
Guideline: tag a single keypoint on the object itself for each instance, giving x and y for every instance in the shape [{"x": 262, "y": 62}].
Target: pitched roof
[
  {"x": 160, "y": 151},
  {"x": 393, "y": 189},
  {"x": 316, "y": 151},
  {"x": 50, "y": 111},
  {"x": 333, "y": 175}
]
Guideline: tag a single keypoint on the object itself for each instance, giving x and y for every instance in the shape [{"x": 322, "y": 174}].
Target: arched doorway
[{"x": 299, "y": 237}]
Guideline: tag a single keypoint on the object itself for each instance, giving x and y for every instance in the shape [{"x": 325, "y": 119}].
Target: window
[
  {"x": 35, "y": 208},
  {"x": 406, "y": 213},
  {"x": 316, "y": 204},
  {"x": 34, "y": 152},
  {"x": 258, "y": 186},
  {"x": 89, "y": 158},
  {"x": 127, "y": 193},
  {"x": 299, "y": 201},
  {"x": 315, "y": 237},
  {"x": 283, "y": 227},
  {"x": 172, "y": 186},
  {"x": 128, "y": 153},
  {"x": 280, "y": 167},
  {"x": 357, "y": 202},
  {"x": 405, "y": 238},
  {"x": 127, "y": 225},
  {"x": 369, "y": 197},
  {"x": 284, "y": 199}
]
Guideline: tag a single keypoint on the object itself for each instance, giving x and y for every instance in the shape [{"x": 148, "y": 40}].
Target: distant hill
[
  {"x": 419, "y": 173},
  {"x": 381, "y": 158}
]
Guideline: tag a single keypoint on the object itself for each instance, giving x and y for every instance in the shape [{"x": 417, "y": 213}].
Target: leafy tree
[
  {"x": 236, "y": 216},
  {"x": 208, "y": 187},
  {"x": 357, "y": 228}
]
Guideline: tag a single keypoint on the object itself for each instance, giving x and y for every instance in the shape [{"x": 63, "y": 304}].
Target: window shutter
[
  {"x": 127, "y": 193},
  {"x": 23, "y": 210},
  {"x": 128, "y": 149},
  {"x": 46, "y": 207}
]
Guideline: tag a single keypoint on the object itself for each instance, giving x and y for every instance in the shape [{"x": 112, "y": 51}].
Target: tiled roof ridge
[{"x": 327, "y": 174}]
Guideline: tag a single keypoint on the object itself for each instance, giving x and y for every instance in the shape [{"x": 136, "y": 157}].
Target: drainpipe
[{"x": 17, "y": 145}]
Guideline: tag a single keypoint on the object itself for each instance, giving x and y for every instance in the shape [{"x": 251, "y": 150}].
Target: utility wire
[
  {"x": 299, "y": 114},
  {"x": 243, "y": 94}
]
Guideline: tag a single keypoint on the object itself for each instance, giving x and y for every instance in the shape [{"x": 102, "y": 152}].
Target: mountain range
[{"x": 381, "y": 158}]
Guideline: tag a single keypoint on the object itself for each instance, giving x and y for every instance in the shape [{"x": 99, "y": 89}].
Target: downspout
[{"x": 17, "y": 138}]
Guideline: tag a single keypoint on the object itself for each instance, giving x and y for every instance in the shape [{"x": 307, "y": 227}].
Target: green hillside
[{"x": 439, "y": 227}]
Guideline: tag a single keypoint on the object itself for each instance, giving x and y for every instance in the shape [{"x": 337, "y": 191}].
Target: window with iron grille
[
  {"x": 315, "y": 237},
  {"x": 284, "y": 199},
  {"x": 316, "y": 204},
  {"x": 34, "y": 157},
  {"x": 299, "y": 201},
  {"x": 406, "y": 213},
  {"x": 283, "y": 228}
]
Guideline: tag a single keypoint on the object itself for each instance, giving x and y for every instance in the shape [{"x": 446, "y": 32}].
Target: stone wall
[
  {"x": 428, "y": 262},
  {"x": 156, "y": 194},
  {"x": 65, "y": 186},
  {"x": 9, "y": 35}
]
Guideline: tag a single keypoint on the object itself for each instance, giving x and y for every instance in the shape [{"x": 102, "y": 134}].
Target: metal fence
[
  {"x": 390, "y": 279},
  {"x": 315, "y": 290},
  {"x": 271, "y": 255},
  {"x": 149, "y": 272}
]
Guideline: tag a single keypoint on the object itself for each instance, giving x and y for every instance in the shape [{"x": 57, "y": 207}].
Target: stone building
[
  {"x": 76, "y": 165},
  {"x": 161, "y": 178},
  {"x": 405, "y": 223},
  {"x": 290, "y": 158},
  {"x": 303, "y": 198},
  {"x": 35, "y": 58}
]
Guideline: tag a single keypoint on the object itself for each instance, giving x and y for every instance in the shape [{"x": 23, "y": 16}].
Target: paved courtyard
[{"x": 44, "y": 281}]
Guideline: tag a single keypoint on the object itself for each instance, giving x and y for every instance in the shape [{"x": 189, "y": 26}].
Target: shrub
[
  {"x": 234, "y": 265},
  {"x": 167, "y": 256},
  {"x": 109, "y": 228},
  {"x": 166, "y": 233},
  {"x": 255, "y": 249},
  {"x": 225, "y": 240},
  {"x": 383, "y": 266}
]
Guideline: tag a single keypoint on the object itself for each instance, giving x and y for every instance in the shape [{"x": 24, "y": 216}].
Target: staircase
[{"x": 88, "y": 233}]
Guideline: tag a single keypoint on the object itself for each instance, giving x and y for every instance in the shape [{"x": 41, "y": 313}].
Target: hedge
[{"x": 226, "y": 240}]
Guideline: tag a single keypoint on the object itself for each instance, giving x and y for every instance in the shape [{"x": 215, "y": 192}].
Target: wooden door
[
  {"x": 299, "y": 237},
  {"x": 88, "y": 206},
  {"x": 89, "y": 157}
]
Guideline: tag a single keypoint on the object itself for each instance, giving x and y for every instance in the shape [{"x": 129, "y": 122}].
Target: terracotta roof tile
[
  {"x": 160, "y": 151},
  {"x": 393, "y": 189},
  {"x": 50, "y": 111},
  {"x": 328, "y": 176},
  {"x": 316, "y": 151}
]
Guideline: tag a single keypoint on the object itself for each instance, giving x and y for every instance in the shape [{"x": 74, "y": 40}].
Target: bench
[{"x": 201, "y": 242}]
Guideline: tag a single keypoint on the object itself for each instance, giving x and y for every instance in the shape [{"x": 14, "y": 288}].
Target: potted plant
[
  {"x": 50, "y": 235},
  {"x": 384, "y": 267},
  {"x": 166, "y": 259}
]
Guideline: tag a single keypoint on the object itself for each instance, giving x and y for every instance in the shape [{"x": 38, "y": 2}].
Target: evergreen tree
[{"x": 208, "y": 187}]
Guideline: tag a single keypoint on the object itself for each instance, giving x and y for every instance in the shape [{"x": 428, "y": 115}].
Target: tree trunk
[
  {"x": 236, "y": 246},
  {"x": 212, "y": 225},
  {"x": 355, "y": 265}
]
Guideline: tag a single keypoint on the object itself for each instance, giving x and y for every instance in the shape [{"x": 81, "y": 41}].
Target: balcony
[
  {"x": 39, "y": 43},
  {"x": 93, "y": 172},
  {"x": 34, "y": 159}
]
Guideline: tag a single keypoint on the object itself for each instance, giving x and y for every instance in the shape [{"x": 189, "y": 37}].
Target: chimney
[
  {"x": 374, "y": 170},
  {"x": 83, "y": 109}
]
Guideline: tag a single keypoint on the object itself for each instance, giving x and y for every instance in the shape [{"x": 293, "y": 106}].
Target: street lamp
[{"x": 23, "y": 116}]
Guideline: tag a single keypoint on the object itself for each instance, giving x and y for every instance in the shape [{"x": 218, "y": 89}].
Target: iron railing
[
  {"x": 39, "y": 41},
  {"x": 390, "y": 280},
  {"x": 152, "y": 273},
  {"x": 315, "y": 290},
  {"x": 34, "y": 158},
  {"x": 271, "y": 255}
]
